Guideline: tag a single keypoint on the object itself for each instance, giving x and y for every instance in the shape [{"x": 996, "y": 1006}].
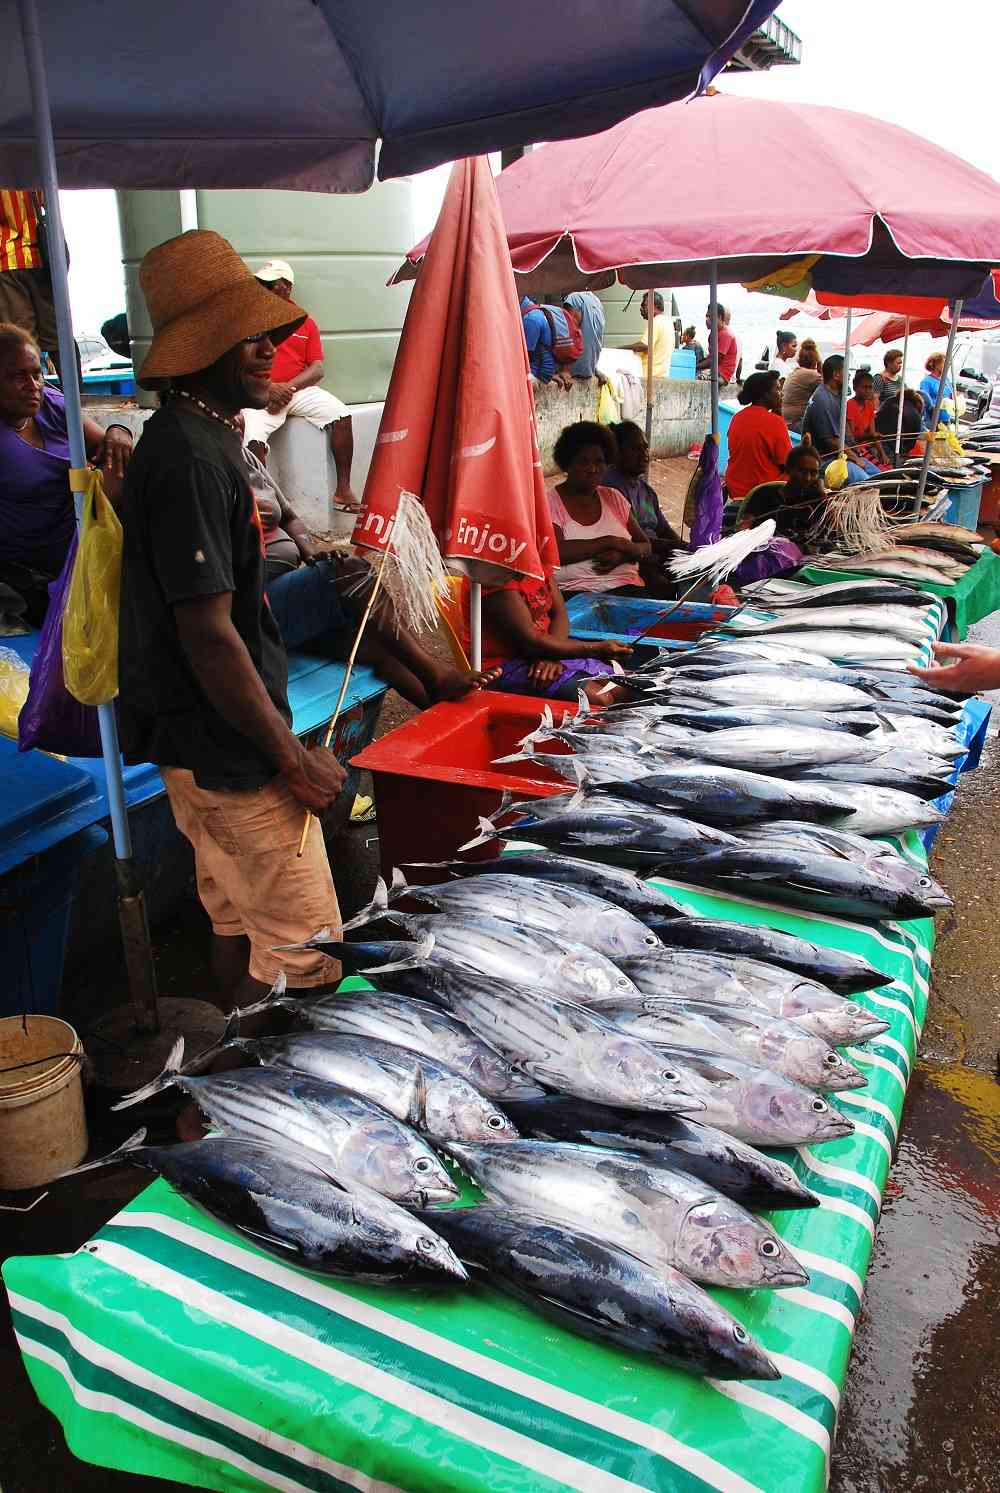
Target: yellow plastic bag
[
  {"x": 608, "y": 412},
  {"x": 13, "y": 690},
  {"x": 836, "y": 474},
  {"x": 90, "y": 621}
]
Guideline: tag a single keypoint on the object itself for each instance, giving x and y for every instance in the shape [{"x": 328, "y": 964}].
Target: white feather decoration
[
  {"x": 715, "y": 561},
  {"x": 410, "y": 568}
]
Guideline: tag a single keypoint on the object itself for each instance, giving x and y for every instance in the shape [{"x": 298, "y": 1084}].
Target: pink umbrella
[
  {"x": 458, "y": 427},
  {"x": 814, "y": 308}
]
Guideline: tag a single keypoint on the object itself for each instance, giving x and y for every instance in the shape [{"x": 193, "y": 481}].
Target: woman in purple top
[{"x": 36, "y": 506}]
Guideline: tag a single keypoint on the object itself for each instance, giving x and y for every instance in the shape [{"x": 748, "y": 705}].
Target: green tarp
[
  {"x": 971, "y": 599},
  {"x": 170, "y": 1346}
]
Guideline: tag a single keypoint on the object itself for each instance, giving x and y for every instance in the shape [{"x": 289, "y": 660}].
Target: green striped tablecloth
[
  {"x": 172, "y": 1347},
  {"x": 975, "y": 596}
]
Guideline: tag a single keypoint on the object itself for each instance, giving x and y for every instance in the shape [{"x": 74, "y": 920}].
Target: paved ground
[{"x": 922, "y": 1406}]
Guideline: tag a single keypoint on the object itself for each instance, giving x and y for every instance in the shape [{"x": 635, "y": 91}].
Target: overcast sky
[{"x": 928, "y": 66}]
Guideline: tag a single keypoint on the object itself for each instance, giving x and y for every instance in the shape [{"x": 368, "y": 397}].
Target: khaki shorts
[
  {"x": 314, "y": 404},
  {"x": 26, "y": 299},
  {"x": 250, "y": 879}
]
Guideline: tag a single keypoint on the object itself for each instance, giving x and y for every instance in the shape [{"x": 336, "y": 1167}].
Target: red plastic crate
[{"x": 434, "y": 776}]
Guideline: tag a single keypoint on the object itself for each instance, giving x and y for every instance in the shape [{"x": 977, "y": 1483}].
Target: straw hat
[{"x": 203, "y": 300}]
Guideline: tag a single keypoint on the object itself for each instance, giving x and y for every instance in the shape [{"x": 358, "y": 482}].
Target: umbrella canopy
[
  {"x": 297, "y": 93},
  {"x": 814, "y": 308},
  {"x": 732, "y": 182},
  {"x": 458, "y": 426}
]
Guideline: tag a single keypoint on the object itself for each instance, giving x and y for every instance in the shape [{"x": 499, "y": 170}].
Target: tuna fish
[{"x": 845, "y": 973}]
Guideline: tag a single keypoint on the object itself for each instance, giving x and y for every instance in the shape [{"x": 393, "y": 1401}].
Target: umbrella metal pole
[
  {"x": 476, "y": 624},
  {"x": 902, "y": 390},
  {"x": 649, "y": 369},
  {"x": 131, "y": 906},
  {"x": 843, "y": 389},
  {"x": 925, "y": 465},
  {"x": 713, "y": 344}
]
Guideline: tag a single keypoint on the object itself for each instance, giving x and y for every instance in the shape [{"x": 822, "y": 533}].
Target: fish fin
[
  {"x": 583, "y": 709},
  {"x": 172, "y": 1070},
  {"x": 610, "y": 687},
  {"x": 269, "y": 1239},
  {"x": 376, "y": 908},
  {"x": 400, "y": 886},
  {"x": 421, "y": 952},
  {"x": 886, "y": 722},
  {"x": 119, "y": 1154},
  {"x": 487, "y": 831},
  {"x": 274, "y": 997},
  {"x": 524, "y": 755},
  {"x": 616, "y": 667},
  {"x": 417, "y": 1116},
  {"x": 325, "y": 935}
]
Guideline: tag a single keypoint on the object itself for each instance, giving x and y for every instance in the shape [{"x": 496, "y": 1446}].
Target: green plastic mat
[
  {"x": 971, "y": 599},
  {"x": 170, "y": 1346}
]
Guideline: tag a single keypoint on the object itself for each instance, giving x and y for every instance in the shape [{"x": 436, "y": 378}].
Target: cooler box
[
  {"x": 963, "y": 505},
  {"x": 434, "y": 776}
]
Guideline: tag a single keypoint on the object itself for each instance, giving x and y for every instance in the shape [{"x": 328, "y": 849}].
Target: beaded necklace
[{"x": 212, "y": 414}]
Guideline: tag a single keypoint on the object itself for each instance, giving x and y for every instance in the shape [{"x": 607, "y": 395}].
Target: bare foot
[
  {"x": 344, "y": 498},
  {"x": 452, "y": 684}
]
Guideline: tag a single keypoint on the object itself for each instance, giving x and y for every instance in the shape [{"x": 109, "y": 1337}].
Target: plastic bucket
[{"x": 43, "y": 1130}]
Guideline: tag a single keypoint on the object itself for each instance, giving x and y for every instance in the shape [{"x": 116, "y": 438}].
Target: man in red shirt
[
  {"x": 295, "y": 377},
  {"x": 728, "y": 346}
]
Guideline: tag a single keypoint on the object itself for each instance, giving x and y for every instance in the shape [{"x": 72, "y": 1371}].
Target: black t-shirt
[
  {"x": 191, "y": 529},
  {"x": 793, "y": 519}
]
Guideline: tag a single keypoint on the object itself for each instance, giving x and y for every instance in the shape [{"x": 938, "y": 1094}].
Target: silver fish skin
[
  {"x": 362, "y": 1141},
  {"x": 761, "y": 1107},
  {"x": 847, "y": 593},
  {"x": 912, "y": 731},
  {"x": 696, "y": 976},
  {"x": 882, "y": 861},
  {"x": 297, "y": 1209},
  {"x": 663, "y": 1217},
  {"x": 566, "y": 912},
  {"x": 519, "y": 956},
  {"x": 713, "y": 793},
  {"x": 844, "y": 973},
  {"x": 567, "y": 1046},
  {"x": 741, "y": 1032},
  {"x": 419, "y": 1026},
  {"x": 728, "y": 646},
  {"x": 650, "y": 904},
  {"x": 589, "y": 1286},
  {"x": 902, "y": 622},
  {"x": 766, "y": 748},
  {"x": 423, "y": 1093},
  {"x": 608, "y": 828},
  {"x": 885, "y": 811},
  {"x": 725, "y": 717},
  {"x": 875, "y": 775},
  {"x": 845, "y": 647},
  {"x": 748, "y": 1176},
  {"x": 772, "y": 691}
]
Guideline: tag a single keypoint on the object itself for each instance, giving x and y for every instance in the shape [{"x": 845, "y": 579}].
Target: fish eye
[
  {"x": 832, "y": 1060},
  {"x": 651, "y": 939},
  {"x": 924, "y": 881},
  {"x": 769, "y": 1247},
  {"x": 740, "y": 1334},
  {"x": 425, "y": 1244},
  {"x": 667, "y": 1073},
  {"x": 495, "y": 1122},
  {"x": 819, "y": 1106},
  {"x": 423, "y": 1165},
  {"x": 624, "y": 982}
]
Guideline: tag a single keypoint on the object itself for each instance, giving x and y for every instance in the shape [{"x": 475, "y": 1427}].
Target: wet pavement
[{"x": 921, "y": 1410}]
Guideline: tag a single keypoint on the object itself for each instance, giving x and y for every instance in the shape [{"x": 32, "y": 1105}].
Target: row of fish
[
  {"x": 602, "y": 1064},
  {"x": 939, "y": 553}
]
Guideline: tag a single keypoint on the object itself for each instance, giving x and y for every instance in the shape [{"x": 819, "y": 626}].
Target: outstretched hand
[{"x": 975, "y": 668}]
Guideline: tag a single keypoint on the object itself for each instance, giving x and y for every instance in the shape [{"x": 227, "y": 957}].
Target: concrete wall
[
  {"x": 682, "y": 413},
  {"x": 342, "y": 249}
]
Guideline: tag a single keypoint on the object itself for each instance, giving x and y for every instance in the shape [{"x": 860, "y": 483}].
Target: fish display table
[
  {"x": 969, "y": 600},
  {"x": 170, "y": 1346}
]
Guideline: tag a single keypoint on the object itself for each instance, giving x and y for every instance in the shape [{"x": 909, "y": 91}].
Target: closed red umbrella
[{"x": 458, "y": 427}]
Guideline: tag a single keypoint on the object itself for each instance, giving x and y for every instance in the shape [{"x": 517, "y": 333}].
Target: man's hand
[
  {"x": 975, "y": 668},
  {"x": 315, "y": 778},
  {"x": 115, "y": 452},
  {"x": 544, "y": 671},
  {"x": 278, "y": 396}
]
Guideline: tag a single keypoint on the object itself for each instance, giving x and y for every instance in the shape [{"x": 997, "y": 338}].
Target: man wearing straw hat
[{"x": 203, "y": 671}]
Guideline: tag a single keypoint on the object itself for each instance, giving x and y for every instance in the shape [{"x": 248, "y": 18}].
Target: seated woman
[
  {"x": 600, "y": 542},
  {"x": 317, "y": 595},
  {"x": 526, "y": 638},
  {"x": 861, "y": 412},
  {"x": 799, "y": 385},
  {"x": 758, "y": 436},
  {"x": 929, "y": 386},
  {"x": 887, "y": 421},
  {"x": 37, "y": 517},
  {"x": 628, "y": 475},
  {"x": 794, "y": 501}
]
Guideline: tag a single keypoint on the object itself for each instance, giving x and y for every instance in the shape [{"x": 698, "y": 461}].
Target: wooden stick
[{"x": 346, "y": 681}]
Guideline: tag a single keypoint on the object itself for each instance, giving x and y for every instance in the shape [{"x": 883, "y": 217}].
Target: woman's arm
[
  {"x": 558, "y": 617},
  {"x": 510, "y": 619},
  {"x": 572, "y": 550}
]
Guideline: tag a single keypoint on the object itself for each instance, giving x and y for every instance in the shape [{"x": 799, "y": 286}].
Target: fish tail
[
  {"x": 120, "y": 1153},
  {"x": 527, "y": 751},
  {"x": 487, "y": 831},
  {"x": 376, "y": 908},
  {"x": 421, "y": 952},
  {"x": 274, "y": 997},
  {"x": 173, "y": 1068},
  {"x": 583, "y": 708}
]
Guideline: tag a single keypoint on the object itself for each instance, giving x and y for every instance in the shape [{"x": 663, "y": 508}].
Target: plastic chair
[{"x": 452, "y": 602}]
